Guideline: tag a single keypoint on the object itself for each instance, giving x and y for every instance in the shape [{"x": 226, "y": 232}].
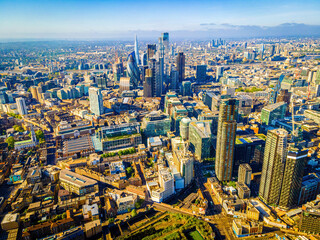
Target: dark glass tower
[
  {"x": 180, "y": 62},
  {"x": 133, "y": 70}
]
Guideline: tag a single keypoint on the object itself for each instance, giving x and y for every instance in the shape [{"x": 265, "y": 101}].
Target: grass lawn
[{"x": 195, "y": 235}]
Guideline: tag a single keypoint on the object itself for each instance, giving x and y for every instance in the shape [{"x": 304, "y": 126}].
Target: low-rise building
[{"x": 76, "y": 183}]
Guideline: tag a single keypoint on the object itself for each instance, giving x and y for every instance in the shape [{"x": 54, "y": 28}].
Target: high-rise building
[
  {"x": 144, "y": 59},
  {"x": 165, "y": 41},
  {"x": 151, "y": 50},
  {"x": 136, "y": 50},
  {"x": 292, "y": 177},
  {"x": 34, "y": 92},
  {"x": 201, "y": 73},
  {"x": 273, "y": 112},
  {"x": 174, "y": 80},
  {"x": 186, "y": 88},
  {"x": 310, "y": 221},
  {"x": 226, "y": 136},
  {"x": 133, "y": 70},
  {"x": 180, "y": 64},
  {"x": 21, "y": 105},
  {"x": 272, "y": 169},
  {"x": 200, "y": 138},
  {"x": 96, "y": 101},
  {"x": 147, "y": 84},
  {"x": 156, "y": 77},
  {"x": 125, "y": 84},
  {"x": 219, "y": 73},
  {"x": 244, "y": 174},
  {"x": 155, "y": 123},
  {"x": 118, "y": 71}
]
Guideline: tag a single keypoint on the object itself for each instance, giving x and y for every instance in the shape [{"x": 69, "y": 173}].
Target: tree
[
  {"x": 129, "y": 171},
  {"x": 39, "y": 134},
  {"x": 10, "y": 141},
  {"x": 18, "y": 128},
  {"x": 133, "y": 213}
]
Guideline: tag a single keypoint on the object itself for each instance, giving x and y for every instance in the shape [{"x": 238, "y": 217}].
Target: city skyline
[{"x": 113, "y": 20}]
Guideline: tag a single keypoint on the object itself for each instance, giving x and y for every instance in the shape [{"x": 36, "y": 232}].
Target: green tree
[
  {"x": 129, "y": 171},
  {"x": 134, "y": 213},
  {"x": 10, "y": 141},
  {"x": 18, "y": 128}
]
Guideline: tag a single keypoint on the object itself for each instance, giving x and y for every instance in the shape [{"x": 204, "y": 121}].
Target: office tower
[
  {"x": 180, "y": 64},
  {"x": 227, "y": 125},
  {"x": 273, "y": 112},
  {"x": 144, "y": 59},
  {"x": 155, "y": 124},
  {"x": 272, "y": 49},
  {"x": 34, "y": 93},
  {"x": 272, "y": 169},
  {"x": 184, "y": 128},
  {"x": 244, "y": 174},
  {"x": 219, "y": 72},
  {"x": 3, "y": 96},
  {"x": 200, "y": 138},
  {"x": 186, "y": 88},
  {"x": 156, "y": 78},
  {"x": 136, "y": 50},
  {"x": 292, "y": 177},
  {"x": 165, "y": 41},
  {"x": 201, "y": 73},
  {"x": 147, "y": 84},
  {"x": 21, "y": 105},
  {"x": 161, "y": 74},
  {"x": 173, "y": 79},
  {"x": 96, "y": 101},
  {"x": 101, "y": 81},
  {"x": 310, "y": 221},
  {"x": 124, "y": 84},
  {"x": 133, "y": 70},
  {"x": 318, "y": 91},
  {"x": 262, "y": 50},
  {"x": 118, "y": 71},
  {"x": 310, "y": 188},
  {"x": 151, "y": 50}
]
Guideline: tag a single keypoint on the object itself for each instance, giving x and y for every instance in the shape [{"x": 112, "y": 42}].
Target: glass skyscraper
[
  {"x": 133, "y": 70},
  {"x": 96, "y": 101}
]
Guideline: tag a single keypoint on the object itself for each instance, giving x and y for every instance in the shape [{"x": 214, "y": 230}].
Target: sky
[{"x": 121, "y": 19}]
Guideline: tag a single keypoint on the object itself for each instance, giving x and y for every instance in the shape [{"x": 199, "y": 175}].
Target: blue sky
[{"x": 112, "y": 19}]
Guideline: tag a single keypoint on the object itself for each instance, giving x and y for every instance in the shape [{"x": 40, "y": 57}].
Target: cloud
[{"x": 207, "y": 24}]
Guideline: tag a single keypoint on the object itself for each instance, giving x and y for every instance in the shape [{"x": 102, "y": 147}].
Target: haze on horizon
[{"x": 98, "y": 19}]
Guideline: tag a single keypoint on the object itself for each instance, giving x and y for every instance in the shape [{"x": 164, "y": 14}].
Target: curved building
[{"x": 133, "y": 70}]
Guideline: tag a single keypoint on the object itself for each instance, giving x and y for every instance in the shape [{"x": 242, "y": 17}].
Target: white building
[{"x": 21, "y": 105}]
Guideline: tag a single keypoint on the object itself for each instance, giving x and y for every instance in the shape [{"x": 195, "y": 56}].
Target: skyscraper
[
  {"x": 96, "y": 101},
  {"x": 180, "y": 62},
  {"x": 273, "y": 165},
  {"x": 165, "y": 41},
  {"x": 136, "y": 50},
  {"x": 201, "y": 73},
  {"x": 226, "y": 136},
  {"x": 156, "y": 77},
  {"x": 244, "y": 174},
  {"x": 292, "y": 177},
  {"x": 133, "y": 70},
  {"x": 144, "y": 59},
  {"x": 151, "y": 50},
  {"x": 21, "y": 105},
  {"x": 147, "y": 84}
]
